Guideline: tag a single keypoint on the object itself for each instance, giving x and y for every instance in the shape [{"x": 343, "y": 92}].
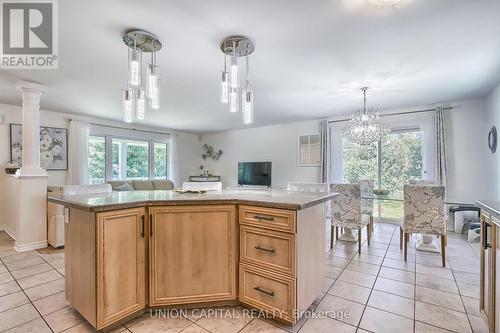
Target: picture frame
[
  {"x": 53, "y": 147},
  {"x": 308, "y": 150}
]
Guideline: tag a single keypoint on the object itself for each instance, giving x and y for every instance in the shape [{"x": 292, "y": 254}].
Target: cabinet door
[
  {"x": 496, "y": 304},
  {"x": 192, "y": 254},
  {"x": 120, "y": 264}
]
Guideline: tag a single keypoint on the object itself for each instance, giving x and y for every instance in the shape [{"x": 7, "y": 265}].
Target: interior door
[
  {"x": 120, "y": 264},
  {"x": 192, "y": 254}
]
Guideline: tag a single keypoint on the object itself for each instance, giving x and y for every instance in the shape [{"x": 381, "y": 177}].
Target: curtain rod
[
  {"x": 396, "y": 114},
  {"x": 131, "y": 129}
]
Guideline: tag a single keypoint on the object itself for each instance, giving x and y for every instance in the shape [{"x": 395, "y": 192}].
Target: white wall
[
  {"x": 493, "y": 160},
  {"x": 277, "y": 144}
]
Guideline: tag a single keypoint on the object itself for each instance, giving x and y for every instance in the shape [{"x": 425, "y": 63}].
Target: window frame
[{"x": 299, "y": 159}]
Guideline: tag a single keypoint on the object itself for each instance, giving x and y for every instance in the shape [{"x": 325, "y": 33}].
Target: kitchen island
[{"x": 128, "y": 251}]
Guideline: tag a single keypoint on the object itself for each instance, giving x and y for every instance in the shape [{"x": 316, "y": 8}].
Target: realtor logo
[{"x": 29, "y": 34}]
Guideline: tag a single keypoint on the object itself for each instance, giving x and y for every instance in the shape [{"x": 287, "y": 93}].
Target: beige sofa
[{"x": 144, "y": 184}]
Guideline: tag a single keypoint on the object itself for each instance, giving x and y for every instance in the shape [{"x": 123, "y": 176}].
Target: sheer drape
[
  {"x": 324, "y": 151},
  {"x": 78, "y": 153},
  {"x": 441, "y": 171},
  {"x": 174, "y": 161}
]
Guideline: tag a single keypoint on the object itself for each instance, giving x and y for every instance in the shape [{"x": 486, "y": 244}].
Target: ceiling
[{"x": 311, "y": 57}]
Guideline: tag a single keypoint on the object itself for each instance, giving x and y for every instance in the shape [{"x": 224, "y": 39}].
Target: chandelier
[
  {"x": 237, "y": 94},
  {"x": 139, "y": 92},
  {"x": 365, "y": 126}
]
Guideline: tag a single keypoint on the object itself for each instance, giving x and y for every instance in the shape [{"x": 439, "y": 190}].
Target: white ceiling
[{"x": 311, "y": 57}]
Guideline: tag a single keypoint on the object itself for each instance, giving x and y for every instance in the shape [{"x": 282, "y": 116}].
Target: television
[{"x": 254, "y": 173}]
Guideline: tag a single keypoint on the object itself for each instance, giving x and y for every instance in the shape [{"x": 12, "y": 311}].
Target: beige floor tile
[
  {"x": 62, "y": 271},
  {"x": 350, "y": 291},
  {"x": 83, "y": 327},
  {"x": 259, "y": 326},
  {"x": 471, "y": 306},
  {"x": 399, "y": 255},
  {"x": 46, "y": 289},
  {"x": 376, "y": 244},
  {"x": 440, "y": 298},
  {"x": 398, "y": 264},
  {"x": 363, "y": 267},
  {"x": 391, "y": 303},
  {"x": 440, "y": 272},
  {"x": 395, "y": 287},
  {"x": 336, "y": 261},
  {"x": 442, "y": 317},
  {"x": 20, "y": 256},
  {"x": 169, "y": 325},
  {"x": 225, "y": 320},
  {"x": 327, "y": 284},
  {"x": 362, "y": 279},
  {"x": 467, "y": 289},
  {"x": 7, "y": 250},
  {"x": 5, "y": 277},
  {"x": 375, "y": 260},
  {"x": 13, "y": 266},
  {"x": 31, "y": 270},
  {"x": 17, "y": 316},
  {"x": 63, "y": 319},
  {"x": 397, "y": 274},
  {"x": 332, "y": 272},
  {"x": 3, "y": 269},
  {"x": 326, "y": 325},
  {"x": 193, "y": 328},
  {"x": 59, "y": 263},
  {"x": 9, "y": 287},
  {"x": 373, "y": 251},
  {"x": 437, "y": 283},
  {"x": 34, "y": 326},
  {"x": 478, "y": 324},
  {"x": 13, "y": 300},
  {"x": 37, "y": 279},
  {"x": 471, "y": 278},
  {"x": 51, "y": 303},
  {"x": 348, "y": 311},
  {"x": 426, "y": 328},
  {"x": 381, "y": 321}
]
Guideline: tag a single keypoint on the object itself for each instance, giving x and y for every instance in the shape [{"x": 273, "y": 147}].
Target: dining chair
[
  {"x": 367, "y": 187},
  {"x": 424, "y": 213},
  {"x": 202, "y": 186},
  {"x": 346, "y": 211}
]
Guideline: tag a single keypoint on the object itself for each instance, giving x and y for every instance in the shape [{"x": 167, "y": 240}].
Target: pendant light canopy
[
  {"x": 365, "y": 126},
  {"x": 140, "y": 93},
  {"x": 234, "y": 92}
]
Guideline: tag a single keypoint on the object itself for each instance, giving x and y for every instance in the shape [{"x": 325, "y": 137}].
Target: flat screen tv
[{"x": 254, "y": 173}]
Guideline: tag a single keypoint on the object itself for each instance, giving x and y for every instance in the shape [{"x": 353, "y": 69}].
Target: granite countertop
[
  {"x": 492, "y": 207},
  {"x": 129, "y": 199}
]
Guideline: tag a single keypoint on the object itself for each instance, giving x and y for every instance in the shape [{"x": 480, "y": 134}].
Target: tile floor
[{"x": 378, "y": 291}]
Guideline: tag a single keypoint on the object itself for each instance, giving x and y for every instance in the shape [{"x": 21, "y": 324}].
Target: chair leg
[
  {"x": 359, "y": 241},
  {"x": 331, "y": 237},
  {"x": 400, "y": 238},
  {"x": 371, "y": 224},
  {"x": 368, "y": 234},
  {"x": 405, "y": 241},
  {"x": 443, "y": 250},
  {"x": 336, "y": 233}
]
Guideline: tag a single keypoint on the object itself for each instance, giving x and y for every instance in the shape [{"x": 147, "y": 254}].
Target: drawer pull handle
[
  {"x": 265, "y": 218},
  {"x": 270, "y": 293},
  {"x": 258, "y": 247}
]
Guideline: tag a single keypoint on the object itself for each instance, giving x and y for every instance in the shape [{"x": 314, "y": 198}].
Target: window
[
  {"x": 97, "y": 159},
  {"x": 309, "y": 150},
  {"x": 391, "y": 163},
  {"x": 128, "y": 159}
]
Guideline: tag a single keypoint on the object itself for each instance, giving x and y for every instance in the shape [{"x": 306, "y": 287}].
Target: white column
[{"x": 31, "y": 93}]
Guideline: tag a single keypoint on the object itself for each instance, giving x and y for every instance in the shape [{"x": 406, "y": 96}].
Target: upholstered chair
[
  {"x": 346, "y": 211},
  {"x": 367, "y": 187},
  {"x": 307, "y": 187},
  {"x": 202, "y": 186},
  {"x": 422, "y": 182},
  {"x": 424, "y": 213}
]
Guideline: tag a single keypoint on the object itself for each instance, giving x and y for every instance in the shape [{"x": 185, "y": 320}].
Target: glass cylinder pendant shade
[
  {"x": 141, "y": 104},
  {"x": 233, "y": 101},
  {"x": 224, "y": 88},
  {"x": 152, "y": 78},
  {"x": 154, "y": 102},
  {"x": 248, "y": 107},
  {"x": 234, "y": 72},
  {"x": 134, "y": 69},
  {"x": 127, "y": 106}
]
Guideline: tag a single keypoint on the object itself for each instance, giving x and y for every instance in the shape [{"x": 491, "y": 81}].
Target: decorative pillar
[{"x": 31, "y": 93}]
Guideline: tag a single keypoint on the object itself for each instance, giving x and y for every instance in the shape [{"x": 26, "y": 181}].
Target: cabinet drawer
[
  {"x": 271, "y": 249},
  {"x": 267, "y": 291},
  {"x": 269, "y": 218}
]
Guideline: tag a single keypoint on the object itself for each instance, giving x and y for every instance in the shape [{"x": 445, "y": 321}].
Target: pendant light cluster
[
  {"x": 235, "y": 88},
  {"x": 365, "y": 126},
  {"x": 140, "y": 93}
]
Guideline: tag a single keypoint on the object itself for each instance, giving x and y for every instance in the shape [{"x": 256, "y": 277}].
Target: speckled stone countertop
[
  {"x": 492, "y": 207},
  {"x": 129, "y": 199}
]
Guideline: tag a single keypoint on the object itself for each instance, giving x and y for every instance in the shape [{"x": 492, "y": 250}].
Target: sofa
[{"x": 136, "y": 185}]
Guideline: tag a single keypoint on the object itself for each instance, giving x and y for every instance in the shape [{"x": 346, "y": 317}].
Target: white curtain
[
  {"x": 174, "y": 161},
  {"x": 78, "y": 153},
  {"x": 441, "y": 170},
  {"x": 324, "y": 151}
]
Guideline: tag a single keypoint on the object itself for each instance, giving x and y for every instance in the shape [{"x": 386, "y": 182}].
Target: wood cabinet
[
  {"x": 105, "y": 266},
  {"x": 488, "y": 297},
  {"x": 496, "y": 222},
  {"x": 192, "y": 254}
]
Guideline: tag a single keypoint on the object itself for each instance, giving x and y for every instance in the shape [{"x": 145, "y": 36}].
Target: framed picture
[
  {"x": 53, "y": 147},
  {"x": 308, "y": 152}
]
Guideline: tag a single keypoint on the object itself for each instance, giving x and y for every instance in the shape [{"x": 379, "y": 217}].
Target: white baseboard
[
  {"x": 30, "y": 246},
  {"x": 11, "y": 232}
]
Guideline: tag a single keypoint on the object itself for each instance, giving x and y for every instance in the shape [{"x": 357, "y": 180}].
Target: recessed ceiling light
[{"x": 383, "y": 2}]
